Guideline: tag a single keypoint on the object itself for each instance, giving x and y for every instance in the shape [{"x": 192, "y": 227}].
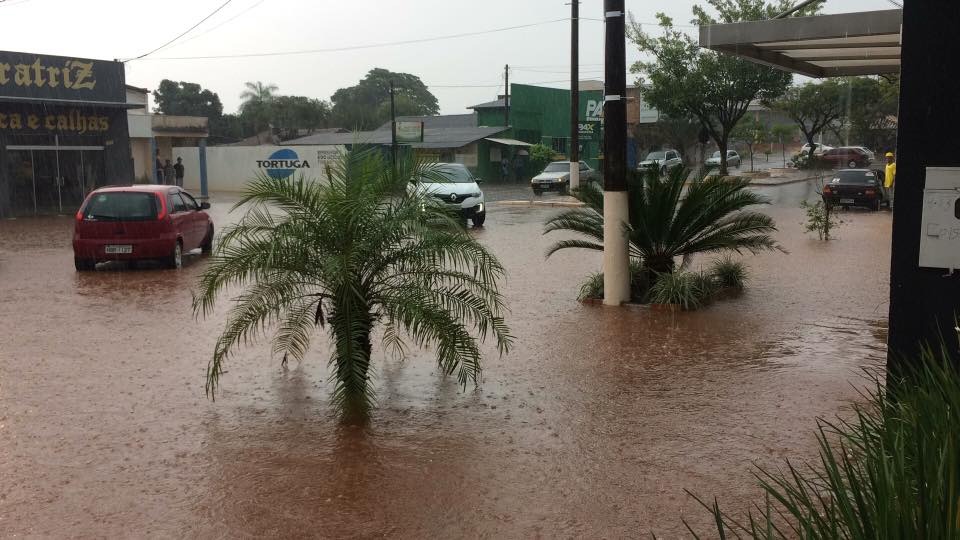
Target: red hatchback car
[
  {"x": 846, "y": 157},
  {"x": 140, "y": 222}
]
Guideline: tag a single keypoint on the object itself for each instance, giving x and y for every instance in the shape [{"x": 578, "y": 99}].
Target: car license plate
[
  {"x": 545, "y": 186},
  {"x": 846, "y": 201},
  {"x": 119, "y": 249}
]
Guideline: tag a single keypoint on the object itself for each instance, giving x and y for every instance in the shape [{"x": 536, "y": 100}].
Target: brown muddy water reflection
[{"x": 592, "y": 426}]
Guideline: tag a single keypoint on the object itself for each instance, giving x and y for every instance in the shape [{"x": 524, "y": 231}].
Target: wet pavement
[{"x": 592, "y": 426}]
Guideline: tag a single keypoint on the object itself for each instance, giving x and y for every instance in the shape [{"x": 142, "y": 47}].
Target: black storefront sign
[
  {"x": 35, "y": 76},
  {"x": 63, "y": 131}
]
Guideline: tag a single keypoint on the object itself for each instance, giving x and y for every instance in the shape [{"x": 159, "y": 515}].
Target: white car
[
  {"x": 556, "y": 177},
  {"x": 818, "y": 149},
  {"x": 455, "y": 186},
  {"x": 664, "y": 160},
  {"x": 733, "y": 159}
]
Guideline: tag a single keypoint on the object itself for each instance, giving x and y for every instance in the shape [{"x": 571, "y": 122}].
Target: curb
[
  {"x": 563, "y": 204},
  {"x": 784, "y": 182}
]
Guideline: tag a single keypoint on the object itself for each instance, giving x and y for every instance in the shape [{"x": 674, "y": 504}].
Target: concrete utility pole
[
  {"x": 616, "y": 261},
  {"x": 574, "y": 94},
  {"x": 506, "y": 95},
  {"x": 923, "y": 301},
  {"x": 393, "y": 130}
]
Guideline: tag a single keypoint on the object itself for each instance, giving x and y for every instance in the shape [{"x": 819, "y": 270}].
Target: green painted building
[{"x": 542, "y": 115}]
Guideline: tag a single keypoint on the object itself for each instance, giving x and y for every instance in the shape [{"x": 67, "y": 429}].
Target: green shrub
[
  {"x": 820, "y": 219},
  {"x": 689, "y": 290},
  {"x": 890, "y": 472},
  {"x": 592, "y": 287},
  {"x": 730, "y": 274},
  {"x": 639, "y": 285}
]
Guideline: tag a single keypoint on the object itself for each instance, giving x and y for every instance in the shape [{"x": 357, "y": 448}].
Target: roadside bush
[
  {"x": 803, "y": 161},
  {"x": 592, "y": 287},
  {"x": 639, "y": 285},
  {"x": 820, "y": 219},
  {"x": 540, "y": 155},
  {"x": 689, "y": 290},
  {"x": 730, "y": 274},
  {"x": 890, "y": 472}
]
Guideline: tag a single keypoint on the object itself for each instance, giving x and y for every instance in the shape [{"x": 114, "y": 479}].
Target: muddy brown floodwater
[{"x": 592, "y": 426}]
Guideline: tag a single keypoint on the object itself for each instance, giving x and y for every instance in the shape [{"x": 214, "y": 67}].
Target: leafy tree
[
  {"x": 751, "y": 132},
  {"x": 367, "y": 105},
  {"x": 293, "y": 113},
  {"x": 186, "y": 99},
  {"x": 669, "y": 222},
  {"x": 353, "y": 256},
  {"x": 684, "y": 80},
  {"x": 813, "y": 106},
  {"x": 540, "y": 156},
  {"x": 872, "y": 113}
]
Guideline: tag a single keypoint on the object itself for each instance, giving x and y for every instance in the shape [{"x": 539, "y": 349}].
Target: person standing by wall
[
  {"x": 178, "y": 171},
  {"x": 504, "y": 169},
  {"x": 890, "y": 176},
  {"x": 168, "y": 173},
  {"x": 159, "y": 170},
  {"x": 518, "y": 167}
]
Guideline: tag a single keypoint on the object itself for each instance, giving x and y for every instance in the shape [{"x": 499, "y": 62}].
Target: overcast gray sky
[{"x": 128, "y": 28}]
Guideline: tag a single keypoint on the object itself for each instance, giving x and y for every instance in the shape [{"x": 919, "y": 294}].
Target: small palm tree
[
  {"x": 667, "y": 222},
  {"x": 257, "y": 93},
  {"x": 354, "y": 255}
]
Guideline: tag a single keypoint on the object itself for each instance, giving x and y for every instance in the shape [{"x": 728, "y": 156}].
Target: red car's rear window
[{"x": 121, "y": 206}]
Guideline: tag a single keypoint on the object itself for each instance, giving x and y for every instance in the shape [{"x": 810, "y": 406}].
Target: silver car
[
  {"x": 556, "y": 177},
  {"x": 733, "y": 159},
  {"x": 663, "y": 160}
]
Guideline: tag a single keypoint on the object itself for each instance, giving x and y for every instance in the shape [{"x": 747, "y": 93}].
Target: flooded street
[{"x": 592, "y": 426}]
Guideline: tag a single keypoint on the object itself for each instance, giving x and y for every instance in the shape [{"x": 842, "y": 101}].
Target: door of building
[{"x": 54, "y": 179}]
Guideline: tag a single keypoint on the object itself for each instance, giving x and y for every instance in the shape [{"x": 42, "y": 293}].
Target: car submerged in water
[
  {"x": 456, "y": 187},
  {"x": 133, "y": 223},
  {"x": 856, "y": 187}
]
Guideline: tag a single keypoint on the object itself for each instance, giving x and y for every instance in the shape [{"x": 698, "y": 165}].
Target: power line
[
  {"x": 6, "y": 3},
  {"x": 491, "y": 85},
  {"x": 357, "y": 47},
  {"x": 205, "y": 32},
  {"x": 214, "y": 12}
]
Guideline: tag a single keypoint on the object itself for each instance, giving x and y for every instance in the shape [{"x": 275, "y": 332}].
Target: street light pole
[
  {"x": 506, "y": 95},
  {"x": 616, "y": 260},
  {"x": 574, "y": 94}
]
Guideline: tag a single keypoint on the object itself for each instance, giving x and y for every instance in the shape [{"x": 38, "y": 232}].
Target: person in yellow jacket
[{"x": 890, "y": 176}]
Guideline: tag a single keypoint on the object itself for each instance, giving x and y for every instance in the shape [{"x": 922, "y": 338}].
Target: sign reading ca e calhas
[{"x": 62, "y": 78}]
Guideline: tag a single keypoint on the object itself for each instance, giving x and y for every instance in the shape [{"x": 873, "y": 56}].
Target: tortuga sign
[{"x": 60, "y": 78}]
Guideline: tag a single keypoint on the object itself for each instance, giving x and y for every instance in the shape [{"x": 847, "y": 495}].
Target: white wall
[{"x": 229, "y": 168}]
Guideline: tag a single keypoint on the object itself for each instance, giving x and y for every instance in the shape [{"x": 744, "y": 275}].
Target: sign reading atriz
[{"x": 36, "y": 76}]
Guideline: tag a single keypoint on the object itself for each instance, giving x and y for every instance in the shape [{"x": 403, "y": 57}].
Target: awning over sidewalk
[
  {"x": 508, "y": 142},
  {"x": 865, "y": 43}
]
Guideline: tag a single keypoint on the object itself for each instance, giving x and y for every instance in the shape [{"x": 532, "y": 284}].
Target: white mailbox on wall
[{"x": 940, "y": 228}]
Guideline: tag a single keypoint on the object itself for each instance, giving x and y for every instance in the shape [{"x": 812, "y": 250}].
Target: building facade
[{"x": 63, "y": 131}]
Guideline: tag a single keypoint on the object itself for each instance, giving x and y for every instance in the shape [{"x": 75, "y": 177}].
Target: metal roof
[
  {"x": 497, "y": 104},
  {"x": 443, "y": 137},
  {"x": 508, "y": 142},
  {"x": 865, "y": 43}
]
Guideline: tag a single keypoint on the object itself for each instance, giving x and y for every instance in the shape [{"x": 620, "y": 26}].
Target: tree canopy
[
  {"x": 813, "y": 106},
  {"x": 684, "y": 80},
  {"x": 186, "y": 99},
  {"x": 367, "y": 104}
]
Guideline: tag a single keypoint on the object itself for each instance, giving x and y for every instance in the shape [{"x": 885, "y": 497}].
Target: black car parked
[{"x": 856, "y": 187}]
